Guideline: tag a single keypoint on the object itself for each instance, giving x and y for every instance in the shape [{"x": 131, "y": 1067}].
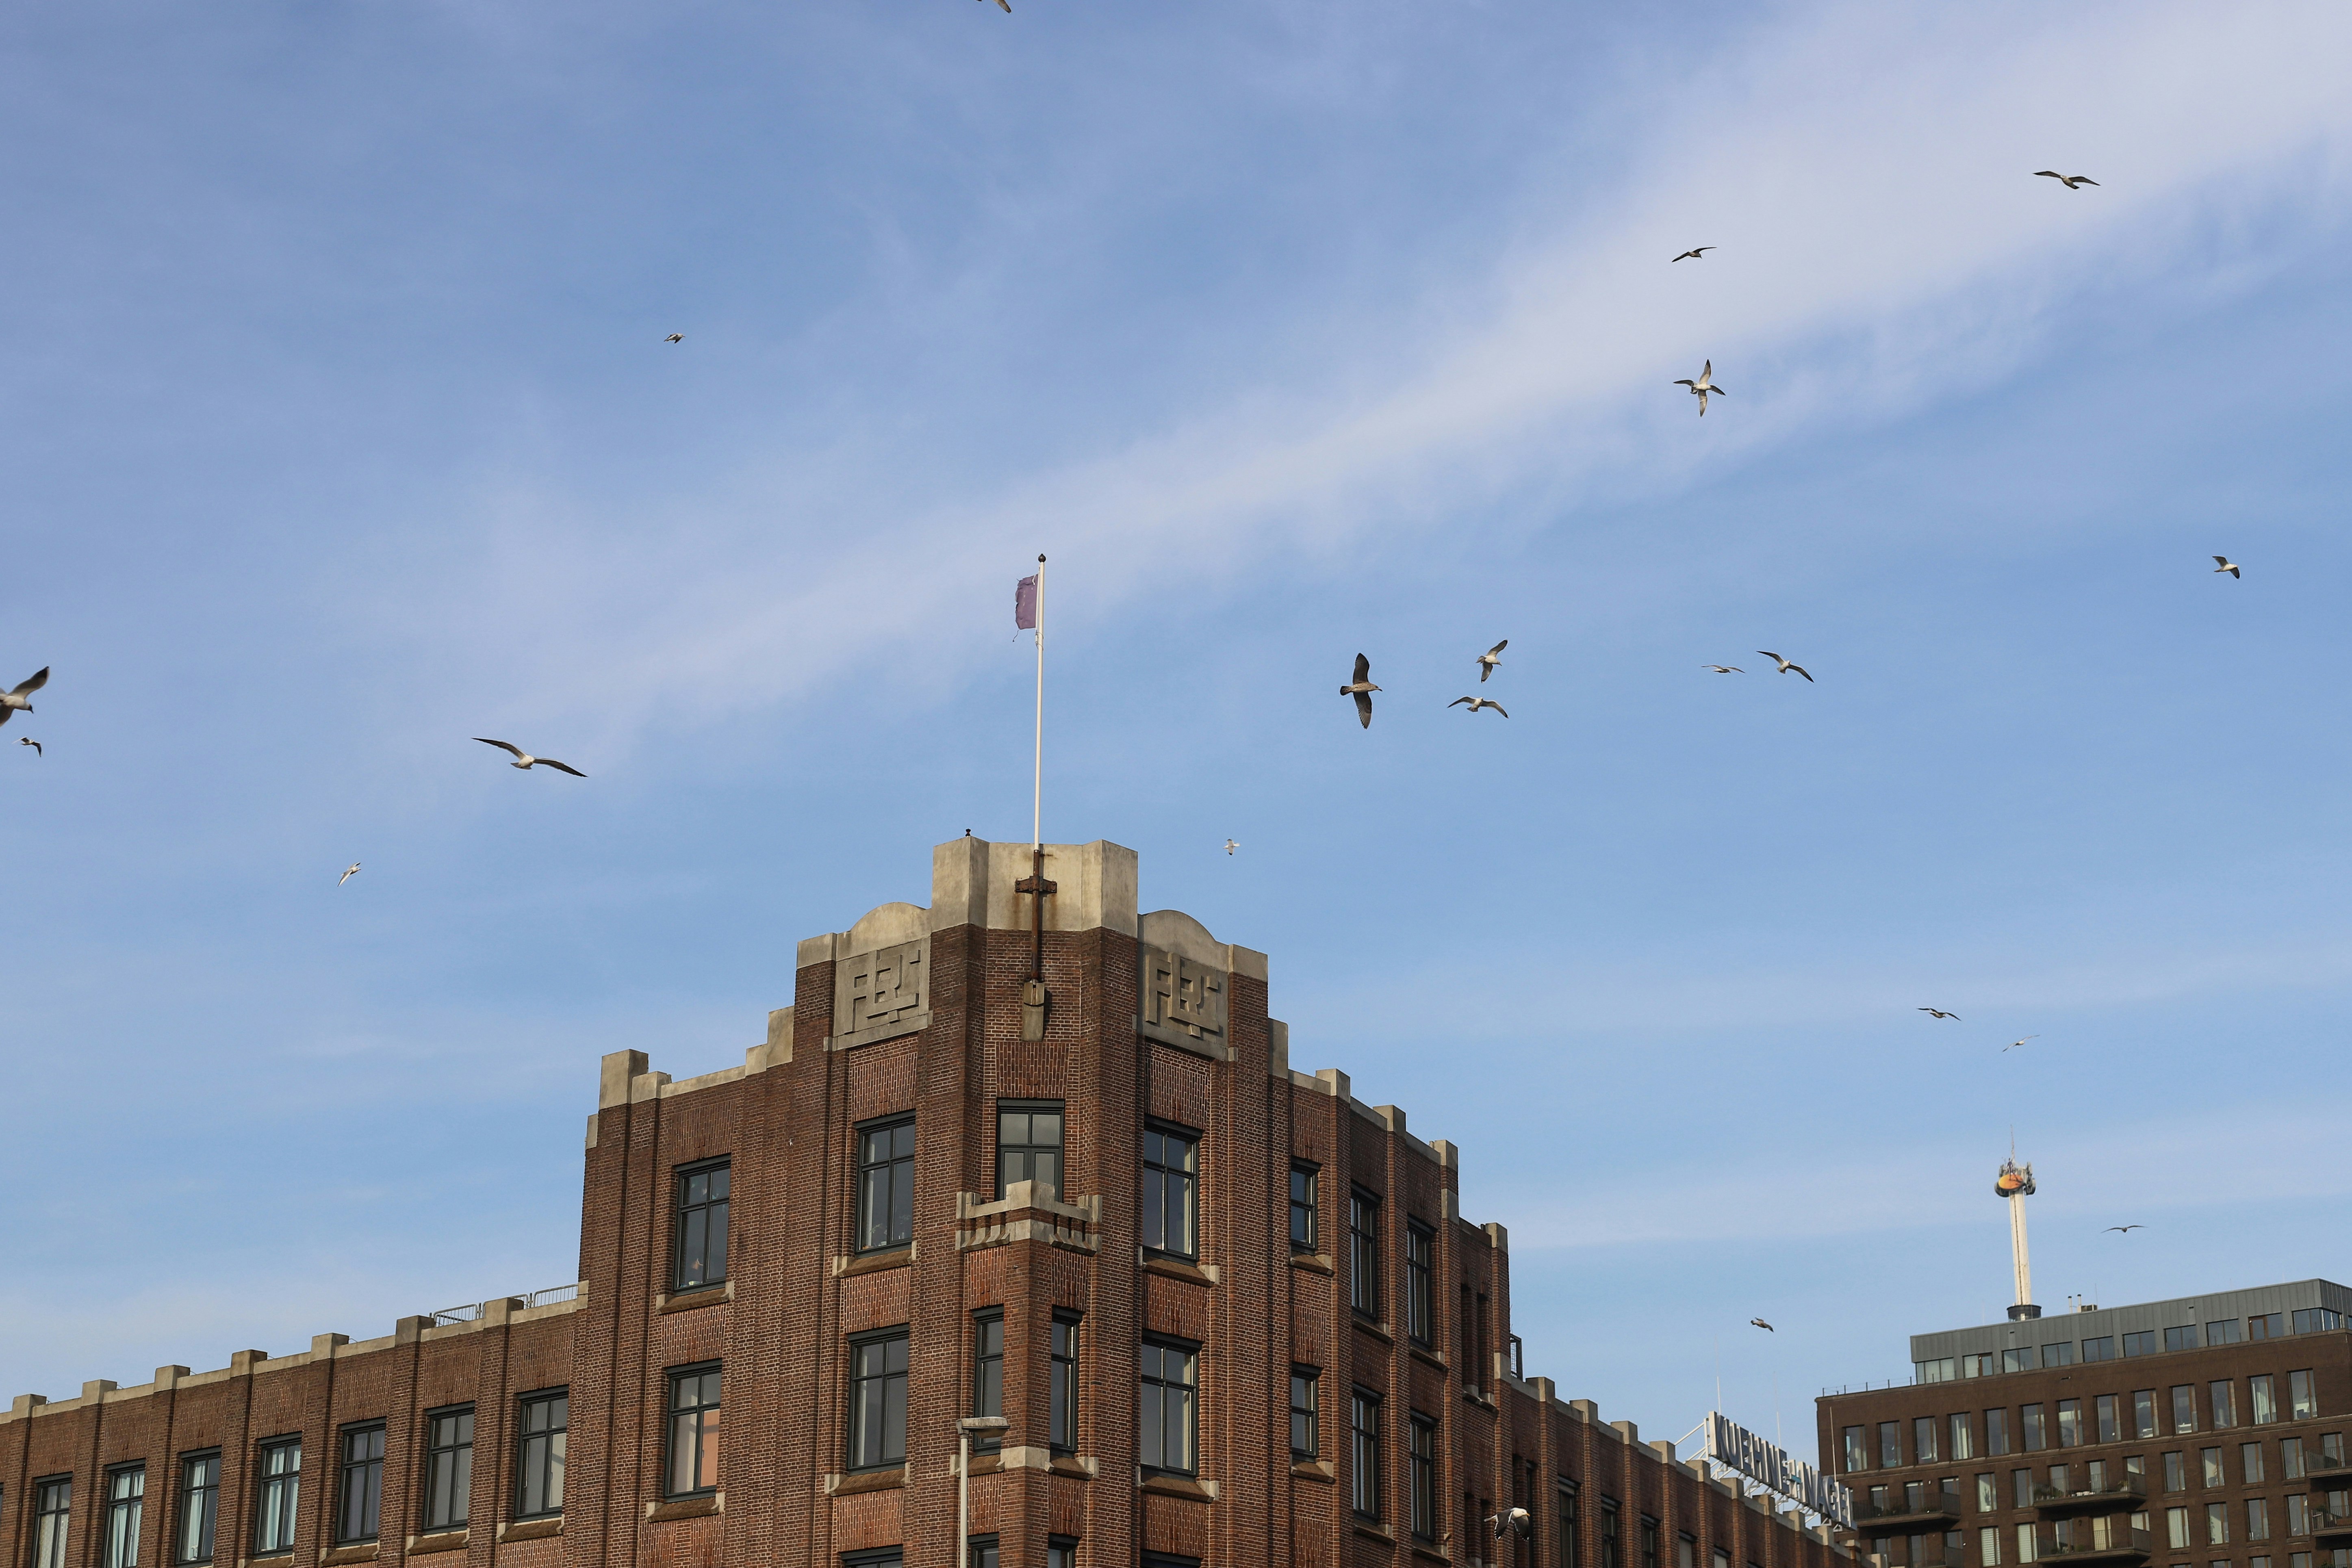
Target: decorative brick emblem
[
  {"x": 1183, "y": 1002},
  {"x": 881, "y": 993}
]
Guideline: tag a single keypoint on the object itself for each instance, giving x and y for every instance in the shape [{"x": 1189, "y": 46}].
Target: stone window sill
[
  {"x": 1073, "y": 1465},
  {"x": 873, "y": 1262},
  {"x": 1314, "y": 1262},
  {"x": 439, "y": 1540},
  {"x": 1378, "y": 1331},
  {"x": 1429, "y": 1358},
  {"x": 358, "y": 1552},
  {"x": 1180, "y": 1485},
  {"x": 531, "y": 1529},
  {"x": 1314, "y": 1470},
  {"x": 867, "y": 1482},
  {"x": 686, "y": 1507},
  {"x": 1374, "y": 1532},
  {"x": 1174, "y": 1268},
  {"x": 688, "y": 1300}
]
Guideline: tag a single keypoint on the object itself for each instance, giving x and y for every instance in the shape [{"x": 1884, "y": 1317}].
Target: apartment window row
[
  {"x": 2146, "y": 1342},
  {"x": 2071, "y": 1423}
]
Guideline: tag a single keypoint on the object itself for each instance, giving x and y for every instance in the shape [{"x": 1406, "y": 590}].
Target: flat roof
[{"x": 2100, "y": 1322}]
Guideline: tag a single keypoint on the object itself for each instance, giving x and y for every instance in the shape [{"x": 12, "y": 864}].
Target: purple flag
[{"x": 1025, "y": 605}]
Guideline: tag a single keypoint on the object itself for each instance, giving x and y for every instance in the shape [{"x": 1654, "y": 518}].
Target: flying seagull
[
  {"x": 1763, "y": 1325},
  {"x": 2126, "y": 1228},
  {"x": 29, "y": 741},
  {"x": 2226, "y": 565},
  {"x": 1490, "y": 658},
  {"x": 525, "y": 759},
  {"x": 1727, "y": 669},
  {"x": 1362, "y": 689},
  {"x": 1692, "y": 255},
  {"x": 1932, "y": 1013},
  {"x": 1232, "y": 845},
  {"x": 675, "y": 338},
  {"x": 2069, "y": 181},
  {"x": 2014, "y": 1044},
  {"x": 1703, "y": 385},
  {"x": 1476, "y": 703},
  {"x": 1007, "y": 5},
  {"x": 22, "y": 695},
  {"x": 348, "y": 875},
  {"x": 1785, "y": 665},
  {"x": 1512, "y": 1521}
]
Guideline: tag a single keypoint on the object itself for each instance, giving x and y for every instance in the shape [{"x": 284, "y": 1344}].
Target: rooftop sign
[{"x": 1734, "y": 1447}]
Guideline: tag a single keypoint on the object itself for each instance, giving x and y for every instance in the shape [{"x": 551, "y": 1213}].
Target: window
[
  {"x": 281, "y": 1497},
  {"x": 2261, "y": 1394},
  {"x": 1364, "y": 1454},
  {"x": 701, "y": 1227},
  {"x": 1171, "y": 1168},
  {"x": 1304, "y": 1231},
  {"x": 1649, "y": 1543},
  {"x": 2017, "y": 1358},
  {"x": 2144, "y": 1413},
  {"x": 199, "y": 1506},
  {"x": 2060, "y": 1479},
  {"x": 2298, "y": 1514},
  {"x": 1996, "y": 1433},
  {"x": 2267, "y": 1326},
  {"x": 988, "y": 1374},
  {"x": 2021, "y": 1489},
  {"x": 1420, "y": 1293},
  {"x": 2176, "y": 1527},
  {"x": 2176, "y": 1474},
  {"x": 2111, "y": 1426},
  {"x": 2258, "y": 1519},
  {"x": 1923, "y": 1439},
  {"x": 2313, "y": 1320},
  {"x": 2101, "y": 1348},
  {"x": 1061, "y": 1551},
  {"x": 2222, "y": 1395},
  {"x": 1305, "y": 1383},
  {"x": 1977, "y": 1365},
  {"x": 126, "y": 1504},
  {"x": 2070, "y": 1423},
  {"x": 877, "y": 1401},
  {"x": 361, "y": 1484},
  {"x": 1062, "y": 1403},
  {"x": 983, "y": 1552},
  {"x": 1988, "y": 1493},
  {"x": 538, "y": 1481},
  {"x": 1610, "y": 1556},
  {"x": 2291, "y": 1458},
  {"x": 2060, "y": 1354},
  {"x": 1964, "y": 1437},
  {"x": 2249, "y": 1463},
  {"x": 2210, "y": 1465},
  {"x": 1029, "y": 1146},
  {"x": 2216, "y": 1524},
  {"x": 2097, "y": 1480},
  {"x": 1989, "y": 1547},
  {"x": 1364, "y": 1254},
  {"x": 52, "y": 1514},
  {"x": 1170, "y": 1382},
  {"x": 448, "y": 1469},
  {"x": 2302, "y": 1397},
  {"x": 2140, "y": 1344},
  {"x": 1936, "y": 1370},
  {"x": 2183, "y": 1338},
  {"x": 2025, "y": 1544},
  {"x": 693, "y": 1431},
  {"x": 2223, "y": 1334},
  {"x": 886, "y": 1185},
  {"x": 2037, "y": 1435},
  {"x": 1890, "y": 1445},
  {"x": 1686, "y": 1550},
  {"x": 1857, "y": 1451},
  {"x": 2184, "y": 1407},
  {"x": 1564, "y": 1509}
]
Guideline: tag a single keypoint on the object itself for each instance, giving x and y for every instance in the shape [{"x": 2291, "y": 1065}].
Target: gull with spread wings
[
  {"x": 1362, "y": 689},
  {"x": 526, "y": 760}
]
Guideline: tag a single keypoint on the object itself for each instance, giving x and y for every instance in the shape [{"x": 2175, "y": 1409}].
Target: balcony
[
  {"x": 1936, "y": 1510},
  {"x": 2119, "y": 1493},
  {"x": 2326, "y": 1525},
  {"x": 2121, "y": 1546},
  {"x": 2325, "y": 1467}
]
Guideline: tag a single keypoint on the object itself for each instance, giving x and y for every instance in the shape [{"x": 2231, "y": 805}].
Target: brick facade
[{"x": 1151, "y": 1023}]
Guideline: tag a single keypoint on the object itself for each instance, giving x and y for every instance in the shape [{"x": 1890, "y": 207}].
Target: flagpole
[{"x": 1037, "y": 798}]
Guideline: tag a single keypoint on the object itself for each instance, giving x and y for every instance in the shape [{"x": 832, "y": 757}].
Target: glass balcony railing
[
  {"x": 2116, "y": 1543},
  {"x": 1933, "y": 1505},
  {"x": 2126, "y": 1490}
]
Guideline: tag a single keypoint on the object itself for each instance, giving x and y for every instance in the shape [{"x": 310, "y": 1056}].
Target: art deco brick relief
[
  {"x": 1183, "y": 1002},
  {"x": 880, "y": 993}
]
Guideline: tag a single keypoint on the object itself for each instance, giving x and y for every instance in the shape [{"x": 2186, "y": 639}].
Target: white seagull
[
  {"x": 1476, "y": 703},
  {"x": 29, "y": 741},
  {"x": 2014, "y": 1044},
  {"x": 1693, "y": 255},
  {"x": 347, "y": 876},
  {"x": 1512, "y": 1521},
  {"x": 1785, "y": 665},
  {"x": 2226, "y": 565},
  {"x": 1490, "y": 658},
  {"x": 1362, "y": 689},
  {"x": 1727, "y": 669},
  {"x": 2069, "y": 181},
  {"x": 675, "y": 338},
  {"x": 525, "y": 759},
  {"x": 22, "y": 695},
  {"x": 1933, "y": 1013},
  {"x": 1232, "y": 845},
  {"x": 1703, "y": 385}
]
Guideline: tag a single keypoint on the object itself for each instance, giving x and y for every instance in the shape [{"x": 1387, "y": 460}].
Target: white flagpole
[{"x": 1037, "y": 799}]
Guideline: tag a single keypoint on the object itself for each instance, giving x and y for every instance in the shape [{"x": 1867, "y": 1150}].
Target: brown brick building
[
  {"x": 2206, "y": 1432},
  {"x": 1228, "y": 1314}
]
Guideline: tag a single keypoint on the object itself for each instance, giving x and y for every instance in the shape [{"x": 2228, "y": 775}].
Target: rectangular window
[
  {"x": 2208, "y": 1462},
  {"x": 448, "y": 1469},
  {"x": 360, "y": 1485},
  {"x": 2037, "y": 1435},
  {"x": 2017, "y": 1358},
  {"x": 2100, "y": 1349},
  {"x": 1857, "y": 1451},
  {"x": 2250, "y": 1464},
  {"x": 1306, "y": 1387},
  {"x": 1649, "y": 1543},
  {"x": 539, "y": 1465},
  {"x": 983, "y": 1552},
  {"x": 1029, "y": 1146},
  {"x": 1364, "y": 1454},
  {"x": 1964, "y": 1437},
  {"x": 1923, "y": 1439},
  {"x": 2267, "y": 1326},
  {"x": 694, "y": 1430},
  {"x": 701, "y": 1227},
  {"x": 2144, "y": 1413},
  {"x": 2183, "y": 1338},
  {"x": 988, "y": 1374},
  {"x": 2263, "y": 1395},
  {"x": 1171, "y": 1427},
  {"x": 2110, "y": 1419},
  {"x": 1062, "y": 1412},
  {"x": 1686, "y": 1550},
  {"x": 2258, "y": 1519},
  {"x": 279, "y": 1498},
  {"x": 2070, "y": 1423},
  {"x": 1890, "y": 1445},
  {"x": 1977, "y": 1365},
  {"x": 1419, "y": 1292},
  {"x": 52, "y": 1517},
  {"x": 1988, "y": 1493},
  {"x": 877, "y": 1401},
  {"x": 199, "y": 1506},
  {"x": 1996, "y": 1433},
  {"x": 2176, "y": 1528},
  {"x": 126, "y": 1505},
  {"x": 1989, "y": 1547},
  {"x": 886, "y": 1185},
  {"x": 2184, "y": 1407},
  {"x": 2025, "y": 1544},
  {"x": 1564, "y": 1534},
  {"x": 2176, "y": 1474},
  {"x": 2298, "y": 1514},
  {"x": 2301, "y": 1396},
  {"x": 1364, "y": 1254},
  {"x": 1610, "y": 1556},
  {"x": 1304, "y": 1233},
  {"x": 2317, "y": 1319},
  {"x": 2140, "y": 1344},
  {"x": 2223, "y": 1334},
  {"x": 2097, "y": 1479},
  {"x": 1171, "y": 1161},
  {"x": 1061, "y": 1551},
  {"x": 2291, "y": 1458},
  {"x": 2021, "y": 1489},
  {"x": 2224, "y": 1398},
  {"x": 2060, "y": 1354},
  {"x": 1936, "y": 1370},
  {"x": 2216, "y": 1524}
]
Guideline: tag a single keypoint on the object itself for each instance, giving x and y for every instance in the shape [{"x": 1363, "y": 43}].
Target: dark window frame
[
  {"x": 855, "y": 1428},
  {"x": 1421, "y": 1486},
  {"x": 987, "y": 1330},
  {"x": 111, "y": 1505},
  {"x": 433, "y": 1450},
  {"x": 1059, "y": 1108},
  {"x": 1613, "y": 1554},
  {"x": 363, "y": 1469},
  {"x": 862, "y": 1208},
  {"x": 1307, "y": 1206},
  {"x": 1364, "y": 1254},
  {"x": 1420, "y": 1282},
  {"x": 1191, "y": 1178},
  {"x": 1364, "y": 1477},
  {"x": 1062, "y": 1351},
  {"x": 205, "y": 1498},
  {"x": 268, "y": 1485},
  {"x": 1190, "y": 1350},
  {"x": 671, "y": 1412},
  {"x": 1567, "y": 1506},
  {"x": 56, "y": 1551},
  {"x": 1310, "y": 1378},
  {"x": 684, "y": 1211},
  {"x": 982, "y": 1551},
  {"x": 550, "y": 1461}
]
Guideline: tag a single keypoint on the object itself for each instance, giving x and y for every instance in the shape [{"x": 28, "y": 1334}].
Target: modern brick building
[
  {"x": 2206, "y": 1432},
  {"x": 1226, "y": 1313}
]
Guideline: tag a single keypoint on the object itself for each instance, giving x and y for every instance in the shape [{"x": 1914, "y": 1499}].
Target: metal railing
[{"x": 472, "y": 1310}]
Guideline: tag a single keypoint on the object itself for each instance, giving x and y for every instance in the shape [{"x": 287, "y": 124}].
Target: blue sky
[{"x": 339, "y": 428}]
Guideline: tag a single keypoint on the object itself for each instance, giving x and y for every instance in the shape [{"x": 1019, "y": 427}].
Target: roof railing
[{"x": 471, "y": 1311}]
